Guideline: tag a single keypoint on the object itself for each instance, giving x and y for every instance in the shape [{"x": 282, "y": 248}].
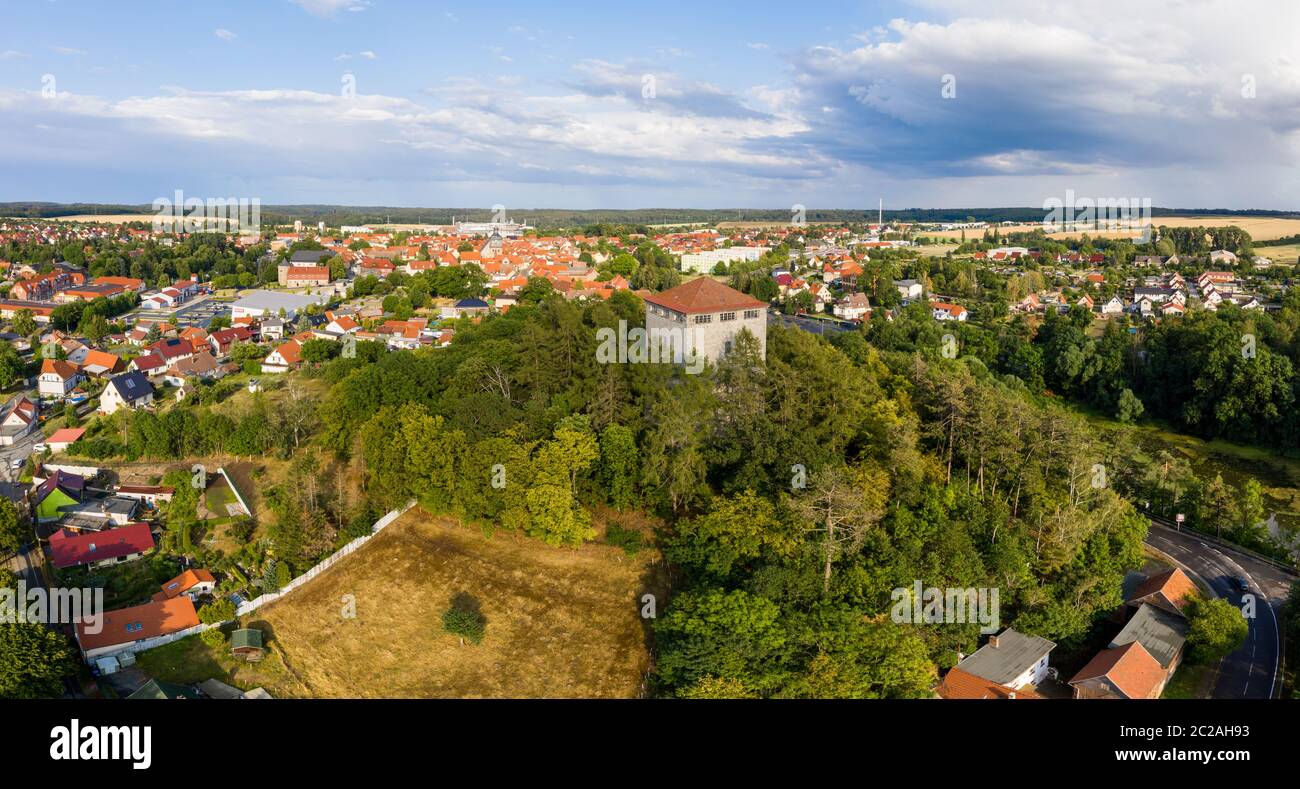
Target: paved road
[
  {"x": 20, "y": 448},
  {"x": 1252, "y": 672},
  {"x": 810, "y": 325}
]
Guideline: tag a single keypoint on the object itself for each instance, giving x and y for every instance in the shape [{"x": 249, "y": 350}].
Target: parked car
[
  {"x": 1241, "y": 584},
  {"x": 17, "y": 463},
  {"x": 40, "y": 448}
]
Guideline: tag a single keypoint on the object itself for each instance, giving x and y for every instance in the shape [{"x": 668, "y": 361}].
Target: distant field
[
  {"x": 1287, "y": 253},
  {"x": 560, "y": 622},
  {"x": 1261, "y": 228}
]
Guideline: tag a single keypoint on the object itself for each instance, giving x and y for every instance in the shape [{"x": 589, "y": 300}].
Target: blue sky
[{"x": 626, "y": 105}]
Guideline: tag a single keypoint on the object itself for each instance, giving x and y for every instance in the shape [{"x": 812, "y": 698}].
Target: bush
[
  {"x": 220, "y": 610},
  {"x": 465, "y": 619},
  {"x": 629, "y": 540},
  {"x": 213, "y": 638}
]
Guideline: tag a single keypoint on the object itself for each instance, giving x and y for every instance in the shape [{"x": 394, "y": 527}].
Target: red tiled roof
[
  {"x": 958, "y": 684},
  {"x": 150, "y": 620},
  {"x": 1130, "y": 668},
  {"x": 68, "y": 549},
  {"x": 704, "y": 295},
  {"x": 1173, "y": 584}
]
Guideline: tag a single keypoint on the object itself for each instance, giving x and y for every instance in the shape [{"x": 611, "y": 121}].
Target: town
[{"x": 119, "y": 333}]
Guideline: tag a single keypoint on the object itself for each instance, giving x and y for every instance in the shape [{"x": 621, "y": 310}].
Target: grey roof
[
  {"x": 216, "y": 689},
  {"x": 273, "y": 302},
  {"x": 312, "y": 256},
  {"x": 1159, "y": 632},
  {"x": 132, "y": 386},
  {"x": 1014, "y": 654}
]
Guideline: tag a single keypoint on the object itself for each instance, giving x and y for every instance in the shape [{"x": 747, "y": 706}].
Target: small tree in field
[{"x": 465, "y": 619}]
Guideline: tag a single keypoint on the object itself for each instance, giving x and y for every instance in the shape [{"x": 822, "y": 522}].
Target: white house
[
  {"x": 128, "y": 390},
  {"x": 57, "y": 378},
  {"x": 948, "y": 312}
]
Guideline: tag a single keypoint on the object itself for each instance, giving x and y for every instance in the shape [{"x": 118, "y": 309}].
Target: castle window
[
  {"x": 704, "y": 319},
  {"x": 751, "y": 314},
  {"x": 728, "y": 316}
]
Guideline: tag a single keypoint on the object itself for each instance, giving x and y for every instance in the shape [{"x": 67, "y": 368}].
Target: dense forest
[{"x": 794, "y": 493}]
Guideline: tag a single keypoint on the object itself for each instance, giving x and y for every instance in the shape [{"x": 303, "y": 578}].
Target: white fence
[
  {"x": 231, "y": 484},
  {"x": 148, "y": 643},
  {"x": 380, "y": 525},
  {"x": 253, "y": 605}
]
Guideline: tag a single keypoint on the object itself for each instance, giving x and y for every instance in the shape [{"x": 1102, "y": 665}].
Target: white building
[
  {"x": 705, "y": 262},
  {"x": 709, "y": 315}
]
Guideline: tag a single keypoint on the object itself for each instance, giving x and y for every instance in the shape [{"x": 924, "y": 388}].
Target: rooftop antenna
[{"x": 880, "y": 218}]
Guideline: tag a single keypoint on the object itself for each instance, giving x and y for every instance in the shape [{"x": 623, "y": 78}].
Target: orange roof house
[
  {"x": 1170, "y": 591},
  {"x": 126, "y": 626},
  {"x": 100, "y": 363},
  {"x": 185, "y": 582},
  {"x": 958, "y": 684},
  {"x": 1127, "y": 672}
]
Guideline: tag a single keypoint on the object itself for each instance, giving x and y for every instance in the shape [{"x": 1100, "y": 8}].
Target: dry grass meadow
[{"x": 561, "y": 623}]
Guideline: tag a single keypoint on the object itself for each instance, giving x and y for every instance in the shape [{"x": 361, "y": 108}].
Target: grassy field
[
  {"x": 1261, "y": 228},
  {"x": 560, "y": 622},
  {"x": 190, "y": 661}
]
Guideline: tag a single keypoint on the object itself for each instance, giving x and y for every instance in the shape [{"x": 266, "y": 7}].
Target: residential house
[
  {"x": 20, "y": 421},
  {"x": 121, "y": 629},
  {"x": 1125, "y": 672},
  {"x": 100, "y": 548},
  {"x": 1010, "y": 665},
  {"x": 57, "y": 378},
  {"x": 853, "y": 307},
  {"x": 63, "y": 438},
  {"x": 56, "y": 491},
  {"x": 194, "y": 583},
  {"x": 466, "y": 307},
  {"x": 128, "y": 390},
  {"x": 909, "y": 289},
  {"x": 284, "y": 358},
  {"x": 948, "y": 312},
  {"x": 1115, "y": 306},
  {"x": 97, "y": 364}
]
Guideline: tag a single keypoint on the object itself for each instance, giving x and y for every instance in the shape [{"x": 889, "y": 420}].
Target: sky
[{"x": 828, "y": 104}]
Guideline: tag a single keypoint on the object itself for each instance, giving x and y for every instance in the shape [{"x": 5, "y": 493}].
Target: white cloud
[
  {"x": 329, "y": 8},
  {"x": 368, "y": 55},
  {"x": 68, "y": 51},
  {"x": 224, "y": 34},
  {"x": 13, "y": 54}
]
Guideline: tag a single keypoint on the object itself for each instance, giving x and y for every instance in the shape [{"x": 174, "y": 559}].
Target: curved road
[{"x": 1253, "y": 671}]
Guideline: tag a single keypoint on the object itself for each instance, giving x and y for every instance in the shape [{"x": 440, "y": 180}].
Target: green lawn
[
  {"x": 190, "y": 661},
  {"x": 1189, "y": 682}
]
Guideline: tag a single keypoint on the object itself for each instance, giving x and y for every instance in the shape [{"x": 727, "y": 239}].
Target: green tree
[
  {"x": 1217, "y": 628},
  {"x": 33, "y": 661},
  {"x": 14, "y": 532}
]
